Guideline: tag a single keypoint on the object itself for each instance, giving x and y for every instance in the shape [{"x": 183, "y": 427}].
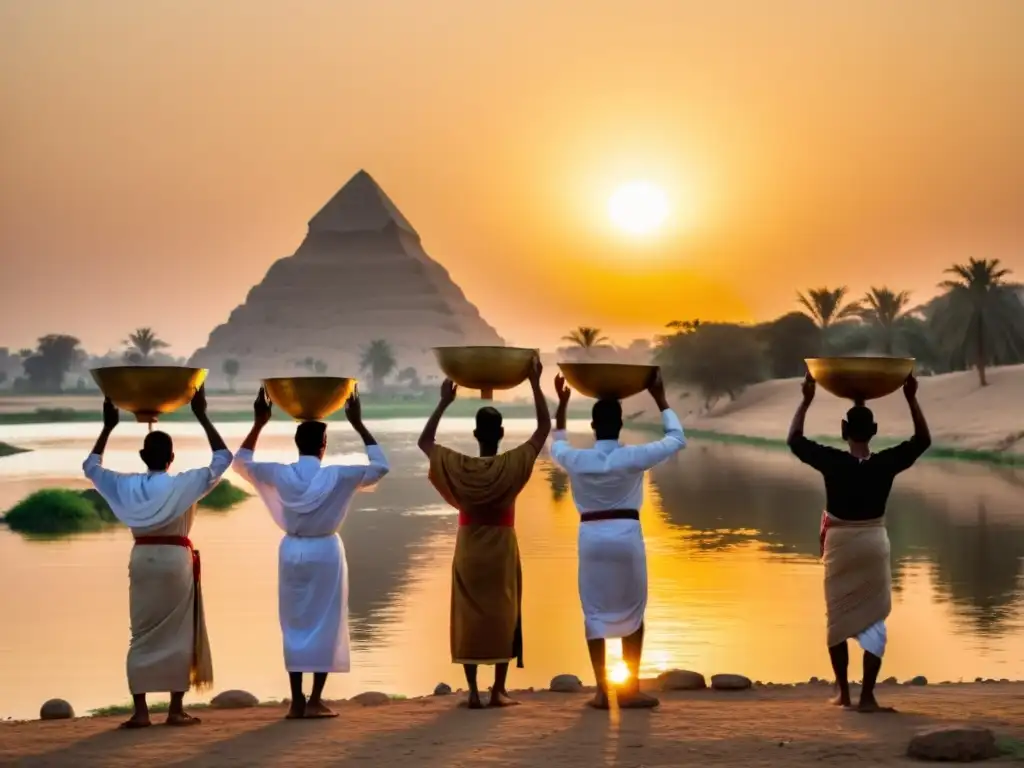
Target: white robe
[
  {"x": 169, "y": 649},
  {"x": 309, "y": 502},
  {"x": 612, "y": 557}
]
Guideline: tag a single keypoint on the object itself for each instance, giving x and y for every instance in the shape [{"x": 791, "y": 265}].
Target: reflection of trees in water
[
  {"x": 558, "y": 480},
  {"x": 382, "y": 540},
  {"x": 727, "y": 498}
]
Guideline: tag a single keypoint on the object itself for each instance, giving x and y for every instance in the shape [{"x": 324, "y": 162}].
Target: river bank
[{"x": 777, "y": 725}]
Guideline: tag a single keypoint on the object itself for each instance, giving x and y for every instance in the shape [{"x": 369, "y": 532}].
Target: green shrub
[
  {"x": 223, "y": 496},
  {"x": 53, "y": 511},
  {"x": 9, "y": 450}
]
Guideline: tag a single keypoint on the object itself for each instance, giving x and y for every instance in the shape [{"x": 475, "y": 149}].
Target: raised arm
[
  {"x": 110, "y": 420},
  {"x": 901, "y": 457},
  {"x": 809, "y": 452},
  {"x": 560, "y": 448},
  {"x": 377, "y": 465},
  {"x": 540, "y": 435},
  {"x": 245, "y": 463},
  {"x": 199, "y": 409},
  {"x": 428, "y": 437},
  {"x": 102, "y": 479},
  {"x": 644, "y": 457}
]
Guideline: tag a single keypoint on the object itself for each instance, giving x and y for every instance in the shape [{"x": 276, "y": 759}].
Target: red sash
[
  {"x": 506, "y": 518},
  {"x": 174, "y": 541}
]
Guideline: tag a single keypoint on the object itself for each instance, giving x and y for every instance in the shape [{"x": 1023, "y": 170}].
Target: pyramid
[{"x": 361, "y": 274}]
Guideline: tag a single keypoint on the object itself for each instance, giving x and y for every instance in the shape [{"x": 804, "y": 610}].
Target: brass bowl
[
  {"x": 486, "y": 368},
  {"x": 608, "y": 381},
  {"x": 860, "y": 378},
  {"x": 149, "y": 391},
  {"x": 309, "y": 398}
]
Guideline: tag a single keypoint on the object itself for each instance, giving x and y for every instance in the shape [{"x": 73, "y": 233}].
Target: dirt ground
[{"x": 778, "y": 726}]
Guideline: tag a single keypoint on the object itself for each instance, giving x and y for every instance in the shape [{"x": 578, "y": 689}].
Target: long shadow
[
  {"x": 587, "y": 738},
  {"x": 88, "y": 751},
  {"x": 439, "y": 752}
]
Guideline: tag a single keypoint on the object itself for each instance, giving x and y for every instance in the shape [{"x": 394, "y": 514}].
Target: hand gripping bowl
[
  {"x": 149, "y": 391},
  {"x": 309, "y": 398},
  {"x": 608, "y": 380},
  {"x": 486, "y": 368},
  {"x": 860, "y": 378}
]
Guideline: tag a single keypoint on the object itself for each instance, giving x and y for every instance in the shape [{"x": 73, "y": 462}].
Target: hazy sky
[{"x": 157, "y": 156}]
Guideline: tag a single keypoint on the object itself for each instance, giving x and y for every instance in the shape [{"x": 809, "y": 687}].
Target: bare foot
[
  {"x": 474, "y": 701},
  {"x": 297, "y": 710},
  {"x": 316, "y": 710},
  {"x": 637, "y": 700},
  {"x": 839, "y": 700},
  {"x": 181, "y": 719},
  {"x": 871, "y": 707},
  {"x": 600, "y": 701},
  {"x": 501, "y": 699},
  {"x": 138, "y": 720}
]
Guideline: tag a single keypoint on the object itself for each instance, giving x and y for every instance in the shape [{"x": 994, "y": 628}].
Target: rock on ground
[
  {"x": 56, "y": 709},
  {"x": 372, "y": 699},
  {"x": 919, "y": 680},
  {"x": 234, "y": 700},
  {"x": 958, "y": 744},
  {"x": 681, "y": 680},
  {"x": 442, "y": 689},
  {"x": 730, "y": 682},
  {"x": 566, "y": 684}
]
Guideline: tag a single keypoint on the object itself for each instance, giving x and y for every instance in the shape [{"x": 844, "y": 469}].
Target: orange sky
[{"x": 156, "y": 157}]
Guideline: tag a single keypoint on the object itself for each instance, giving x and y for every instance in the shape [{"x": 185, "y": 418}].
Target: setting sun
[{"x": 638, "y": 207}]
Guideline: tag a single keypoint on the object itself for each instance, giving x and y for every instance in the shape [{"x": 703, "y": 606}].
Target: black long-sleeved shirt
[{"x": 857, "y": 489}]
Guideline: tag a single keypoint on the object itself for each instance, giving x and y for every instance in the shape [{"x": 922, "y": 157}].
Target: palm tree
[
  {"x": 586, "y": 338},
  {"x": 141, "y": 343},
  {"x": 886, "y": 312},
  {"x": 981, "y": 317},
  {"x": 231, "y": 368},
  {"x": 379, "y": 360},
  {"x": 825, "y": 307}
]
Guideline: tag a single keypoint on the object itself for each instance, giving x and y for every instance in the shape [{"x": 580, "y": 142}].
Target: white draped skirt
[
  {"x": 612, "y": 577},
  {"x": 313, "y": 604}
]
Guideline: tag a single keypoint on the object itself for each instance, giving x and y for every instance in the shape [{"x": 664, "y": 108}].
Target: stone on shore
[
  {"x": 566, "y": 684},
  {"x": 681, "y": 680},
  {"x": 919, "y": 680},
  {"x": 234, "y": 699},
  {"x": 956, "y": 744},
  {"x": 442, "y": 689},
  {"x": 56, "y": 709},
  {"x": 890, "y": 681},
  {"x": 730, "y": 682},
  {"x": 372, "y": 699}
]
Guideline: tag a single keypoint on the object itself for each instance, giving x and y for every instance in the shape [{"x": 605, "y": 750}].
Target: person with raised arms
[
  {"x": 607, "y": 488},
  {"x": 309, "y": 502},
  {"x": 487, "y": 576},
  {"x": 854, "y": 541},
  {"x": 169, "y": 650}
]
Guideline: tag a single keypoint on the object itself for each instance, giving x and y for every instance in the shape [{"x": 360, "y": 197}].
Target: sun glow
[
  {"x": 619, "y": 673},
  {"x": 638, "y": 207}
]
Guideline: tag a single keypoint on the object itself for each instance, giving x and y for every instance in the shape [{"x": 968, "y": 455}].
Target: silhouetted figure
[
  {"x": 170, "y": 650},
  {"x": 854, "y": 541},
  {"x": 487, "y": 577},
  {"x": 607, "y": 487},
  {"x": 309, "y": 503}
]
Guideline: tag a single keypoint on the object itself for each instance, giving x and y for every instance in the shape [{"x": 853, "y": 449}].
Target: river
[{"x": 732, "y": 536}]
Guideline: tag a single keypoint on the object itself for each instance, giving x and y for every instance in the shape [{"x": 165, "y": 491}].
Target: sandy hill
[{"x": 960, "y": 412}]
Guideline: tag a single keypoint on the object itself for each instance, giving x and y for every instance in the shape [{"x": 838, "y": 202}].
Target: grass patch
[
  {"x": 223, "y": 496},
  {"x": 54, "y": 511},
  {"x": 1012, "y": 748},
  {"x": 61, "y": 511},
  {"x": 9, "y": 450},
  {"x": 946, "y": 452}
]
